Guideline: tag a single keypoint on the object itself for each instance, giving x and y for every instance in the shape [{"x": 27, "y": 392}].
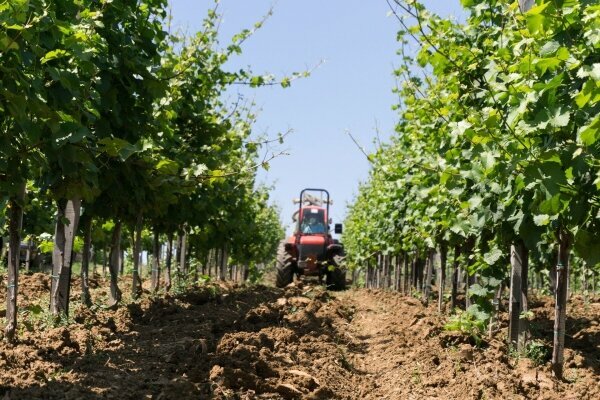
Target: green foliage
[
  {"x": 538, "y": 352},
  {"x": 204, "y": 279},
  {"x": 46, "y": 244},
  {"x": 185, "y": 282},
  {"x": 497, "y": 139},
  {"x": 37, "y": 317},
  {"x": 528, "y": 315},
  {"x": 471, "y": 322},
  {"x": 535, "y": 350},
  {"x": 99, "y": 101},
  {"x": 256, "y": 274}
]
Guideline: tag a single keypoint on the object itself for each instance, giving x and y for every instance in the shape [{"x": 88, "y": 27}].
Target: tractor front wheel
[
  {"x": 284, "y": 267},
  {"x": 336, "y": 274}
]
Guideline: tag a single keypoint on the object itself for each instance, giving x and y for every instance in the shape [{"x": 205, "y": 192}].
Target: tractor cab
[{"x": 313, "y": 220}]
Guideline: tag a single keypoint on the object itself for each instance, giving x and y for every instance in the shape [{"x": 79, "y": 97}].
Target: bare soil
[{"x": 225, "y": 341}]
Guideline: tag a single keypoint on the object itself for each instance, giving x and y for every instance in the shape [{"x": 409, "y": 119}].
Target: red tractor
[{"x": 311, "y": 250}]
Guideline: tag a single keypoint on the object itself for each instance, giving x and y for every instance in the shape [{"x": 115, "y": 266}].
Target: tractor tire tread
[
  {"x": 284, "y": 267},
  {"x": 336, "y": 279}
]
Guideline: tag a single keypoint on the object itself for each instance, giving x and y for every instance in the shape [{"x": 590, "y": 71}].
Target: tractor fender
[
  {"x": 335, "y": 248},
  {"x": 291, "y": 249}
]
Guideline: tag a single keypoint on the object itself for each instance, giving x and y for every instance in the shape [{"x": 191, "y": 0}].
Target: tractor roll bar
[{"x": 328, "y": 201}]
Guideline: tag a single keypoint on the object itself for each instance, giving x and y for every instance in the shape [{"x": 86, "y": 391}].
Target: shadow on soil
[{"x": 582, "y": 338}]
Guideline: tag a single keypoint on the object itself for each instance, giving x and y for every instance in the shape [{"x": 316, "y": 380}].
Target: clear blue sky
[{"x": 351, "y": 90}]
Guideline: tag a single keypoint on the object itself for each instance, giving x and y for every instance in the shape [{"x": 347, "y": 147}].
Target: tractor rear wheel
[
  {"x": 336, "y": 276},
  {"x": 284, "y": 267}
]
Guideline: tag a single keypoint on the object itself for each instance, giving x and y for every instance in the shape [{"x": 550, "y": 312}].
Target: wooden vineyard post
[
  {"x": 427, "y": 276},
  {"x": 94, "y": 258},
  {"x": 121, "y": 261},
  {"x": 393, "y": 272},
  {"x": 495, "y": 310},
  {"x": 586, "y": 283},
  {"x": 390, "y": 274},
  {"x": 386, "y": 271},
  {"x": 560, "y": 311},
  {"x": 178, "y": 253},
  {"x": 205, "y": 265},
  {"x": 420, "y": 273},
  {"x": 455, "y": 277},
  {"x": 219, "y": 265},
  {"x": 381, "y": 271},
  {"x": 14, "y": 248},
  {"x": 28, "y": 255},
  {"x": 552, "y": 275},
  {"x": 467, "y": 283},
  {"x": 372, "y": 273},
  {"x": 374, "y": 268},
  {"x": 518, "y": 262},
  {"x": 405, "y": 285},
  {"x": 423, "y": 281},
  {"x": 209, "y": 262},
  {"x": 62, "y": 255},
  {"x": 522, "y": 328},
  {"x": 570, "y": 289},
  {"x": 442, "y": 275},
  {"x": 183, "y": 256},
  {"x": 401, "y": 271},
  {"x": 524, "y": 322},
  {"x": 223, "y": 264},
  {"x": 136, "y": 287},
  {"x": 85, "y": 260},
  {"x": 397, "y": 273},
  {"x": 414, "y": 273},
  {"x": 168, "y": 262},
  {"x": 216, "y": 255},
  {"x": 225, "y": 260},
  {"x": 378, "y": 267},
  {"x": 214, "y": 263},
  {"x": 394, "y": 262},
  {"x": 375, "y": 271},
  {"x": 113, "y": 265},
  {"x": 469, "y": 279},
  {"x": 378, "y": 271},
  {"x": 217, "y": 260},
  {"x": 155, "y": 262},
  {"x": 195, "y": 273}
]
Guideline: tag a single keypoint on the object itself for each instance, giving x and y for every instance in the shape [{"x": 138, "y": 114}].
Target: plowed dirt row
[
  {"x": 230, "y": 342},
  {"x": 402, "y": 352}
]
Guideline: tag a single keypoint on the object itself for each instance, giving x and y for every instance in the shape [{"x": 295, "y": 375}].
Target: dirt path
[
  {"x": 399, "y": 350},
  {"x": 385, "y": 346},
  {"x": 229, "y": 342}
]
